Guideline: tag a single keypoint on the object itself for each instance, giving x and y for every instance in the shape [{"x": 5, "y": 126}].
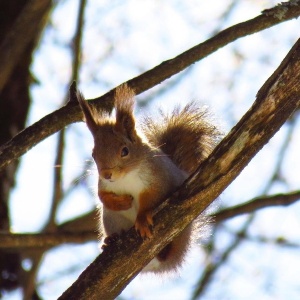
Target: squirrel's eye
[{"x": 124, "y": 152}]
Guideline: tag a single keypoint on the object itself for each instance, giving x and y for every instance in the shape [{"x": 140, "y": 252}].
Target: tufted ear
[
  {"x": 89, "y": 114},
  {"x": 124, "y": 103}
]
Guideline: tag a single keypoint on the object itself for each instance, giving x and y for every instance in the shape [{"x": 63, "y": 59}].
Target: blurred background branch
[{"x": 58, "y": 192}]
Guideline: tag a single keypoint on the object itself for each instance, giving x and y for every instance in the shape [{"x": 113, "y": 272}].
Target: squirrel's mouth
[
  {"x": 107, "y": 179},
  {"x": 110, "y": 174}
]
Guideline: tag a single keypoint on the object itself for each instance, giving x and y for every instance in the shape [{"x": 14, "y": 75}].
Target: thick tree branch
[
  {"x": 71, "y": 113},
  {"x": 108, "y": 275}
]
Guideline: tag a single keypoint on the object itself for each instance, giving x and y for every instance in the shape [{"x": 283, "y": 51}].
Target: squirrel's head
[{"x": 117, "y": 147}]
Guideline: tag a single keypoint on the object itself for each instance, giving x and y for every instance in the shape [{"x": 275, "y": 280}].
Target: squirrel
[{"x": 137, "y": 172}]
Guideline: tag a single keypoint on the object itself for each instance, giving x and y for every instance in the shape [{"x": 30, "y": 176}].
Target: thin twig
[{"x": 256, "y": 204}]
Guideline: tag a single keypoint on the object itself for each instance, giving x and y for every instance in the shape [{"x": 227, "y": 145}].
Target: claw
[
  {"x": 143, "y": 225},
  {"x": 149, "y": 219}
]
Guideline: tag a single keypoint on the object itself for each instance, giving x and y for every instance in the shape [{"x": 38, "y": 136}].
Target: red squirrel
[{"x": 137, "y": 173}]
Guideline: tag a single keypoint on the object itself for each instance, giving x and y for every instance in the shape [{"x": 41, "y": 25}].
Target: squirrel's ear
[
  {"x": 124, "y": 103},
  {"x": 87, "y": 112}
]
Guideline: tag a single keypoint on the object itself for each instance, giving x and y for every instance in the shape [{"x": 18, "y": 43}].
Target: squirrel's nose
[{"x": 106, "y": 174}]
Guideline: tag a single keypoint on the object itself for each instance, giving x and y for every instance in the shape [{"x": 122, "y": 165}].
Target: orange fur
[
  {"x": 115, "y": 202},
  {"x": 145, "y": 213}
]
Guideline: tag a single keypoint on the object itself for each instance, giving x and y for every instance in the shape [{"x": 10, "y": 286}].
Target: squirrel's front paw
[
  {"x": 143, "y": 225},
  {"x": 121, "y": 202},
  {"x": 115, "y": 202}
]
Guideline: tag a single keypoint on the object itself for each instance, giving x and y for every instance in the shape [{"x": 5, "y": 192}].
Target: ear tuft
[
  {"x": 124, "y": 104},
  {"x": 124, "y": 98},
  {"x": 87, "y": 112}
]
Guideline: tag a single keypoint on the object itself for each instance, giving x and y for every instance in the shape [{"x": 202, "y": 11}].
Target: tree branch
[
  {"x": 71, "y": 113},
  {"x": 58, "y": 181},
  {"x": 29, "y": 288},
  {"x": 20, "y": 35},
  {"x": 215, "y": 264},
  {"x": 256, "y": 204},
  {"x": 45, "y": 240},
  {"x": 79, "y": 230},
  {"x": 83, "y": 229},
  {"x": 111, "y": 271},
  {"x": 279, "y": 241}
]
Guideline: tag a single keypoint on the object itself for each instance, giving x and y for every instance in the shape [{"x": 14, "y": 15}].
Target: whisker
[
  {"x": 87, "y": 164},
  {"x": 82, "y": 177},
  {"x": 159, "y": 146},
  {"x": 161, "y": 155}
]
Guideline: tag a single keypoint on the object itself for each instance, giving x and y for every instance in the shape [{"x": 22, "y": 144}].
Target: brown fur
[
  {"x": 172, "y": 256},
  {"x": 186, "y": 135},
  {"x": 124, "y": 103}
]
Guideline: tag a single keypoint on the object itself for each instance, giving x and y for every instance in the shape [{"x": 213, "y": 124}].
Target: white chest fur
[{"x": 131, "y": 184}]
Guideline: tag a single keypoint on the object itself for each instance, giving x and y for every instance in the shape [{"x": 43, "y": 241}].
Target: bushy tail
[
  {"x": 187, "y": 136},
  {"x": 171, "y": 258}
]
